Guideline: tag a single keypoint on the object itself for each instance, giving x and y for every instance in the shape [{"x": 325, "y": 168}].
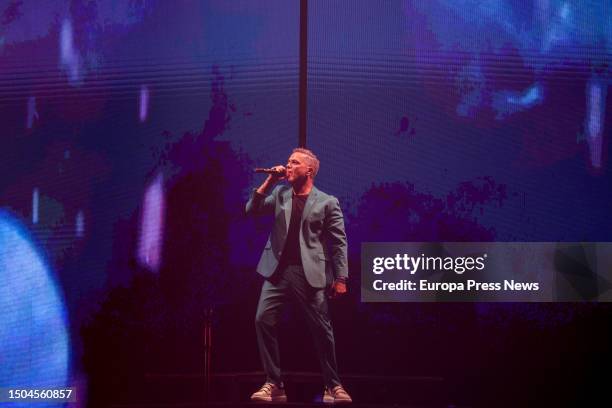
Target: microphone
[{"x": 270, "y": 171}]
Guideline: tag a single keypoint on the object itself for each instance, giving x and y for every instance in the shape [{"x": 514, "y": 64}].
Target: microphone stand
[{"x": 207, "y": 353}]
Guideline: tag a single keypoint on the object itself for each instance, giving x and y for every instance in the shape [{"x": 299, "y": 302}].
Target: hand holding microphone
[
  {"x": 276, "y": 170},
  {"x": 275, "y": 174}
]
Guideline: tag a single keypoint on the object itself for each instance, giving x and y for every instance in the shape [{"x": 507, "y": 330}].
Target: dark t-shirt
[{"x": 291, "y": 253}]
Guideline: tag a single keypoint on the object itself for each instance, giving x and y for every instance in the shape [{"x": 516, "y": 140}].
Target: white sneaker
[
  {"x": 336, "y": 395},
  {"x": 327, "y": 397},
  {"x": 269, "y": 392}
]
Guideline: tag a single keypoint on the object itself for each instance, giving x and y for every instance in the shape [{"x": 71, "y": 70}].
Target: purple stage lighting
[
  {"x": 35, "y": 206},
  {"x": 68, "y": 56},
  {"x": 596, "y": 99},
  {"x": 151, "y": 231},
  {"x": 80, "y": 224},
  {"x": 144, "y": 103},
  {"x": 32, "y": 113}
]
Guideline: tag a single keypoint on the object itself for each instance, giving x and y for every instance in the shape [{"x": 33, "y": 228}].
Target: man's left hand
[{"x": 338, "y": 288}]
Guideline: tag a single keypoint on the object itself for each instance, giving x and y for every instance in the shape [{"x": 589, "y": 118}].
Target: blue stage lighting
[{"x": 34, "y": 342}]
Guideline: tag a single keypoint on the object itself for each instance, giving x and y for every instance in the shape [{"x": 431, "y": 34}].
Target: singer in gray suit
[{"x": 305, "y": 259}]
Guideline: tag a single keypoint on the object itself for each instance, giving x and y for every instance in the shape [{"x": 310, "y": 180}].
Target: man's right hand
[
  {"x": 273, "y": 179},
  {"x": 281, "y": 175}
]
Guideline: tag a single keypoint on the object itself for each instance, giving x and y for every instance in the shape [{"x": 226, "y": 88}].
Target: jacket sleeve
[
  {"x": 260, "y": 204},
  {"x": 334, "y": 224}
]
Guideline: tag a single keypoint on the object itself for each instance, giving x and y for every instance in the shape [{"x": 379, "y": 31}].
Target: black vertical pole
[
  {"x": 303, "y": 71},
  {"x": 207, "y": 353}
]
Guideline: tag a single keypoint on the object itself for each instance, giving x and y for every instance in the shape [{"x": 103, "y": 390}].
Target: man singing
[{"x": 306, "y": 254}]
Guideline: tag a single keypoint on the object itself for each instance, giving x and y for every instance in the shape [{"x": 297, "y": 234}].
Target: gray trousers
[{"x": 291, "y": 284}]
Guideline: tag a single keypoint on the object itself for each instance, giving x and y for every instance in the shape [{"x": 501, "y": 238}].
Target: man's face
[{"x": 297, "y": 168}]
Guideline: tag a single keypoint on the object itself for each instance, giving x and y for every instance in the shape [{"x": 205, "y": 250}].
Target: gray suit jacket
[{"x": 323, "y": 243}]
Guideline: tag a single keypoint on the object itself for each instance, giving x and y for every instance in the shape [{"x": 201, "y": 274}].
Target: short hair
[{"x": 312, "y": 159}]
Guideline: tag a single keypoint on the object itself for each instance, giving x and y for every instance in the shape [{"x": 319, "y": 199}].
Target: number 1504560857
[{"x": 8, "y": 394}]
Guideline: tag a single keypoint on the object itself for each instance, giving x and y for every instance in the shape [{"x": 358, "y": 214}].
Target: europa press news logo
[{"x": 413, "y": 264}]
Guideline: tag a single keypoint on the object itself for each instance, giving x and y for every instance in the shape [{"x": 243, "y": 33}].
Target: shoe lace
[
  {"x": 337, "y": 389},
  {"x": 267, "y": 388}
]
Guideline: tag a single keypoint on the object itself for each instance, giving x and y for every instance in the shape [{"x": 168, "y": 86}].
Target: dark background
[{"x": 434, "y": 121}]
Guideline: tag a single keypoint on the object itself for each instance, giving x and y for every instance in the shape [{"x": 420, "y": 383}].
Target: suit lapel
[
  {"x": 312, "y": 198},
  {"x": 287, "y": 198}
]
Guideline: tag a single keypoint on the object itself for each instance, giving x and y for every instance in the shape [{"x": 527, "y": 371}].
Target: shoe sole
[
  {"x": 271, "y": 400},
  {"x": 331, "y": 400}
]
